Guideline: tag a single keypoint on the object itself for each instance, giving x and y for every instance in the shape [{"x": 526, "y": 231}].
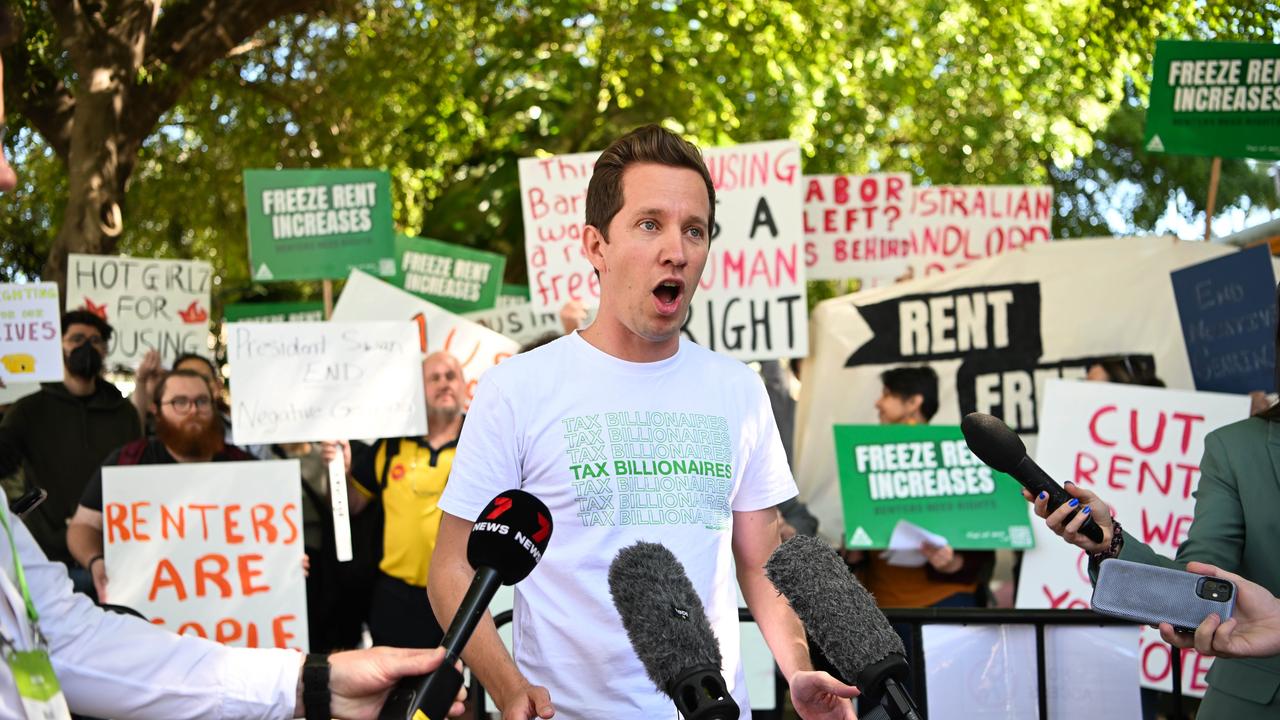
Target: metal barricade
[{"x": 916, "y": 618}]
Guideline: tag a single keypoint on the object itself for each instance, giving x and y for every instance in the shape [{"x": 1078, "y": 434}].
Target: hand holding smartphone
[{"x": 1150, "y": 594}]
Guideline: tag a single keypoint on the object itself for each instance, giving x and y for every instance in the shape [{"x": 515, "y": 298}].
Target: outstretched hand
[{"x": 817, "y": 695}]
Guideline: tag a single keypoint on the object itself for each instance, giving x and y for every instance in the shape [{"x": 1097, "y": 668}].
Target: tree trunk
[{"x": 98, "y": 168}]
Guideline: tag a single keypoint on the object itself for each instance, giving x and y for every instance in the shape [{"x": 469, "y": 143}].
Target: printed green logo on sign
[
  {"x": 302, "y": 311},
  {"x": 459, "y": 279},
  {"x": 927, "y": 476},
  {"x": 318, "y": 224},
  {"x": 1215, "y": 99}
]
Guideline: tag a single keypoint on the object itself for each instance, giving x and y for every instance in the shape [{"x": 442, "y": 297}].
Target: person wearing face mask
[{"x": 61, "y": 434}]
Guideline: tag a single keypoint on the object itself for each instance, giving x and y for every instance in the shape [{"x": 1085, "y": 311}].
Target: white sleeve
[
  {"x": 487, "y": 461},
  {"x": 766, "y": 476},
  {"x": 112, "y": 665}
]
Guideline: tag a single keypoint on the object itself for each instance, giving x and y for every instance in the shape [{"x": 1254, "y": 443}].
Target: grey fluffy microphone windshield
[
  {"x": 669, "y": 631},
  {"x": 837, "y": 612}
]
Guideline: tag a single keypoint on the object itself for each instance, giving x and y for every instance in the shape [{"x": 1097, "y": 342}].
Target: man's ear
[
  {"x": 914, "y": 403},
  {"x": 593, "y": 242}
]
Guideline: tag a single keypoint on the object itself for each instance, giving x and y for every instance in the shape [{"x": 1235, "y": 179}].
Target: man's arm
[
  {"x": 815, "y": 695},
  {"x": 755, "y": 537},
  {"x": 451, "y": 576},
  {"x": 84, "y": 535}
]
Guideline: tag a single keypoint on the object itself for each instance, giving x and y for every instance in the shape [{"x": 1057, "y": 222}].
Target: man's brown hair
[{"x": 646, "y": 144}]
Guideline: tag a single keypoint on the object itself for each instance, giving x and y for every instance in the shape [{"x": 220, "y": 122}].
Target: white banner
[
  {"x": 209, "y": 549},
  {"x": 751, "y": 300},
  {"x": 151, "y": 304},
  {"x": 953, "y": 225},
  {"x": 476, "y": 347},
  {"x": 30, "y": 333},
  {"x": 857, "y": 226},
  {"x": 1139, "y": 448},
  {"x": 296, "y": 382}
]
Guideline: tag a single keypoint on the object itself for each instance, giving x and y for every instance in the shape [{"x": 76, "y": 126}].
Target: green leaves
[{"x": 448, "y": 96}]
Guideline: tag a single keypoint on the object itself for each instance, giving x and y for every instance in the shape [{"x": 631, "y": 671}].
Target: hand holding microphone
[
  {"x": 1069, "y": 514},
  {"x": 506, "y": 543}
]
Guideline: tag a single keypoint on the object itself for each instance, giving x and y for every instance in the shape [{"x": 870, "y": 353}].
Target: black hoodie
[{"x": 60, "y": 440}]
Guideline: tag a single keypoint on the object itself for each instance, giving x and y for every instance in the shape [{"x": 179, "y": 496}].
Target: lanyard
[{"x": 19, "y": 576}]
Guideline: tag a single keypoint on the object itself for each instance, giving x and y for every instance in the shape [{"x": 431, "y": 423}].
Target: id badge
[{"x": 37, "y": 685}]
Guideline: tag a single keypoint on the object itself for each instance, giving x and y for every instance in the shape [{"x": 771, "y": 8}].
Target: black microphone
[
  {"x": 506, "y": 543},
  {"x": 1001, "y": 448},
  {"x": 669, "y": 631},
  {"x": 842, "y": 618}
]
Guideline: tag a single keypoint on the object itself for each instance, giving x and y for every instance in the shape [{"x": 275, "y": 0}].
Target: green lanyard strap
[{"x": 17, "y": 571}]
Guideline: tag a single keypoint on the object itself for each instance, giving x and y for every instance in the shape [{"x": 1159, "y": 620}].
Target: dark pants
[{"x": 400, "y": 615}]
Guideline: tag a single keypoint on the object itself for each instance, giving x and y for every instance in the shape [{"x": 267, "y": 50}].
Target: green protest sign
[
  {"x": 318, "y": 224},
  {"x": 1216, "y": 99},
  {"x": 927, "y": 476},
  {"x": 274, "y": 312},
  {"x": 459, "y": 279}
]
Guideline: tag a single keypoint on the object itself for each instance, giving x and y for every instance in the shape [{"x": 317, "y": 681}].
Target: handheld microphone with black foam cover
[
  {"x": 505, "y": 544},
  {"x": 842, "y": 618},
  {"x": 668, "y": 629},
  {"x": 1001, "y": 448}
]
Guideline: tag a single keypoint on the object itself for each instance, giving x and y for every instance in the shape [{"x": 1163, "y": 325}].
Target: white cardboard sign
[
  {"x": 951, "y": 226},
  {"x": 857, "y": 226},
  {"x": 518, "y": 321},
  {"x": 209, "y": 549},
  {"x": 295, "y": 382},
  {"x": 30, "y": 333},
  {"x": 151, "y": 304},
  {"x": 476, "y": 347}
]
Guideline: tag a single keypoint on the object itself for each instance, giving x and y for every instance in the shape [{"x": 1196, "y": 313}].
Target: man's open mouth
[{"x": 668, "y": 294}]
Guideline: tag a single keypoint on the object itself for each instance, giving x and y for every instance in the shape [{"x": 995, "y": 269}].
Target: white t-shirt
[{"x": 620, "y": 452}]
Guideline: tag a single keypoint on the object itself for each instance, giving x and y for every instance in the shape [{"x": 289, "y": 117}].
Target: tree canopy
[{"x": 448, "y": 96}]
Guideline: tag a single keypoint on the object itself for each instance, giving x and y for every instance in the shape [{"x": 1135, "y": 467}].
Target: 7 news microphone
[
  {"x": 668, "y": 629},
  {"x": 506, "y": 543},
  {"x": 1001, "y": 448},
  {"x": 842, "y": 618}
]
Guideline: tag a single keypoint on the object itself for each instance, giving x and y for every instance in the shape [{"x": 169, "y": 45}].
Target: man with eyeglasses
[
  {"x": 187, "y": 431},
  {"x": 60, "y": 435}
]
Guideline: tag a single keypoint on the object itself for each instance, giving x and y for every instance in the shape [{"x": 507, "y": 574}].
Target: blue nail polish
[
  {"x": 1073, "y": 503},
  {"x": 1044, "y": 495},
  {"x": 1068, "y": 483},
  {"x": 1087, "y": 509}
]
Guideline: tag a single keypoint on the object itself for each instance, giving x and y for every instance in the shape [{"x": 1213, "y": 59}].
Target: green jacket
[
  {"x": 60, "y": 440},
  {"x": 1237, "y": 528}
]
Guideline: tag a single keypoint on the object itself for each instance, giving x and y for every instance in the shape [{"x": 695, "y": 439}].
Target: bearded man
[{"x": 187, "y": 431}]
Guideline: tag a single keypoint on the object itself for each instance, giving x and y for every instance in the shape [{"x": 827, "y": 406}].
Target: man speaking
[{"x": 628, "y": 433}]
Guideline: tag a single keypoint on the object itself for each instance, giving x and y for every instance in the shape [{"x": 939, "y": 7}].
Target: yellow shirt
[{"x": 414, "y": 479}]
